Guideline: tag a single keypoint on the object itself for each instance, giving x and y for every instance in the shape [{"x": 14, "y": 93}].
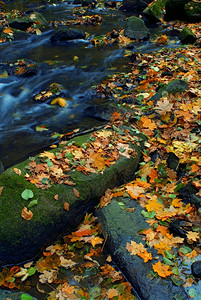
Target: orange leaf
[
  {"x": 135, "y": 191},
  {"x": 81, "y": 233},
  {"x": 56, "y": 197},
  {"x": 66, "y": 206},
  {"x": 153, "y": 175},
  {"x": 98, "y": 161},
  {"x": 112, "y": 293},
  {"x": 161, "y": 269},
  {"x": 194, "y": 168},
  {"x": 96, "y": 241},
  {"x": 7, "y": 30},
  {"x": 77, "y": 194},
  {"x": 17, "y": 171},
  {"x": 26, "y": 214},
  {"x": 147, "y": 123}
]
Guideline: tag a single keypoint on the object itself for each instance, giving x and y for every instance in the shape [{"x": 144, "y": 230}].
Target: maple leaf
[
  {"x": 138, "y": 249},
  {"x": 66, "y": 263},
  {"x": 8, "y": 31},
  {"x": 163, "y": 106},
  {"x": 96, "y": 241},
  {"x": 161, "y": 269},
  {"x": 112, "y": 293},
  {"x": 193, "y": 236},
  {"x": 135, "y": 191},
  {"x": 26, "y": 214},
  {"x": 104, "y": 133},
  {"x": 97, "y": 160},
  {"x": 47, "y": 154},
  {"x": 154, "y": 205},
  {"x": 147, "y": 123}
]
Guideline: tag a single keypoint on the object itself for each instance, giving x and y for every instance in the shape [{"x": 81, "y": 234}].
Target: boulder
[
  {"x": 22, "y": 68},
  {"x": 186, "y": 36},
  {"x": 67, "y": 34},
  {"x": 120, "y": 227},
  {"x": 8, "y": 295},
  {"x": 59, "y": 207},
  {"x": 35, "y": 19},
  {"x": 188, "y": 195},
  {"x": 196, "y": 269},
  {"x": 192, "y": 11},
  {"x": 15, "y": 34},
  {"x": 135, "y": 29},
  {"x": 155, "y": 10},
  {"x": 173, "y": 87},
  {"x": 175, "y": 9},
  {"x": 135, "y": 5}
]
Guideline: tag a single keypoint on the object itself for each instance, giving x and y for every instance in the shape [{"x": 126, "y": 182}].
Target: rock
[
  {"x": 196, "y": 269},
  {"x": 22, "y": 67},
  {"x": 175, "y": 9},
  {"x": 155, "y": 11},
  {"x": 8, "y": 295},
  {"x": 17, "y": 35},
  {"x": 67, "y": 34},
  {"x": 24, "y": 22},
  {"x": 135, "y": 5},
  {"x": 192, "y": 11},
  {"x": 21, "y": 239},
  {"x": 173, "y": 87},
  {"x": 188, "y": 195},
  {"x": 136, "y": 29},
  {"x": 186, "y": 36},
  {"x": 91, "y": 3},
  {"x": 121, "y": 227}
]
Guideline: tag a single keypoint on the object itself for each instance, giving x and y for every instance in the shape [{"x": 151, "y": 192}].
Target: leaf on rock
[
  {"x": 96, "y": 241},
  {"x": 154, "y": 205},
  {"x": 66, "y": 206},
  {"x": 97, "y": 161},
  {"x": 17, "y": 171},
  {"x": 76, "y": 192},
  {"x": 1, "y": 189},
  {"x": 193, "y": 236},
  {"x": 27, "y": 194},
  {"x": 26, "y": 214},
  {"x": 112, "y": 293},
  {"x": 147, "y": 123},
  {"x": 47, "y": 154},
  {"x": 161, "y": 269},
  {"x": 135, "y": 191}
]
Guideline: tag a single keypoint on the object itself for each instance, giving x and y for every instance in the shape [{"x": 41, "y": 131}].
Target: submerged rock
[
  {"x": 22, "y": 67},
  {"x": 67, "y": 34},
  {"x": 135, "y": 29}
]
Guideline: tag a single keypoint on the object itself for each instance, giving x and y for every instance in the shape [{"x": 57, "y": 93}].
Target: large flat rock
[{"x": 22, "y": 239}]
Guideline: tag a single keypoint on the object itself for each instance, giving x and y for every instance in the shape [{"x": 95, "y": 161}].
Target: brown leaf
[
  {"x": 56, "y": 197},
  {"x": 26, "y": 214},
  {"x": 66, "y": 206},
  {"x": 77, "y": 194}
]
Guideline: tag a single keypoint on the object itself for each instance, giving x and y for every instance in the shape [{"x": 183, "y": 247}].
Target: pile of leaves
[
  {"x": 111, "y": 38},
  {"x": 81, "y": 20},
  {"x": 75, "y": 268},
  {"x": 54, "y": 90}
]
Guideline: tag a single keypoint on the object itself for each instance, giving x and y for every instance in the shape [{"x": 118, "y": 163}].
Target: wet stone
[{"x": 196, "y": 269}]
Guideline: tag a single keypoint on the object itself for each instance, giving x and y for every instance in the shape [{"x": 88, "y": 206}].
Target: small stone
[{"x": 196, "y": 269}]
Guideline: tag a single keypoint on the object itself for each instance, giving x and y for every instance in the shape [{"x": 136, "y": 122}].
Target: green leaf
[
  {"x": 168, "y": 261},
  {"x": 32, "y": 203},
  {"x": 27, "y": 194},
  {"x": 175, "y": 270},
  {"x": 31, "y": 271},
  {"x": 176, "y": 281},
  {"x": 169, "y": 255},
  {"x": 184, "y": 249},
  {"x": 26, "y": 297},
  {"x": 50, "y": 164},
  {"x": 147, "y": 214}
]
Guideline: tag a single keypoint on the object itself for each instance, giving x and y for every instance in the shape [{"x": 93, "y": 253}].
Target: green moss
[{"x": 156, "y": 9}]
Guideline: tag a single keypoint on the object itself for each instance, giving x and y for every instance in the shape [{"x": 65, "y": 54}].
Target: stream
[{"x": 19, "y": 114}]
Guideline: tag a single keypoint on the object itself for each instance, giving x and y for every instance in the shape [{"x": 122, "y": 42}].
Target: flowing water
[{"x": 19, "y": 114}]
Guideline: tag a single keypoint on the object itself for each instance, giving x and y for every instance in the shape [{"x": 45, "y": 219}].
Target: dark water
[{"x": 19, "y": 114}]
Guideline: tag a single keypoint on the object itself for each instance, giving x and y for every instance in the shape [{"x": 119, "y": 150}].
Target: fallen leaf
[
  {"x": 1, "y": 189},
  {"x": 96, "y": 241},
  {"x": 112, "y": 293},
  {"x": 17, "y": 171},
  {"x": 26, "y": 214},
  {"x": 77, "y": 194},
  {"x": 161, "y": 269},
  {"x": 56, "y": 197},
  {"x": 66, "y": 206}
]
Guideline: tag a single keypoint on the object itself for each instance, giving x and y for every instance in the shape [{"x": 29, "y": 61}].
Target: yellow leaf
[
  {"x": 62, "y": 102},
  {"x": 193, "y": 236},
  {"x": 38, "y": 32},
  {"x": 154, "y": 205},
  {"x": 96, "y": 241}
]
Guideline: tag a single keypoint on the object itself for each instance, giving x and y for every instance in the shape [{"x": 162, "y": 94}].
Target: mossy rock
[
  {"x": 120, "y": 227},
  {"x": 21, "y": 239},
  {"x": 5, "y": 295},
  {"x": 135, "y": 5},
  {"x": 17, "y": 35},
  {"x": 155, "y": 10},
  {"x": 193, "y": 11},
  {"x": 135, "y": 29},
  {"x": 24, "y": 22},
  {"x": 186, "y": 36}
]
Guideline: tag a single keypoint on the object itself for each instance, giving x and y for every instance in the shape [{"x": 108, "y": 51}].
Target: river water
[{"x": 19, "y": 114}]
